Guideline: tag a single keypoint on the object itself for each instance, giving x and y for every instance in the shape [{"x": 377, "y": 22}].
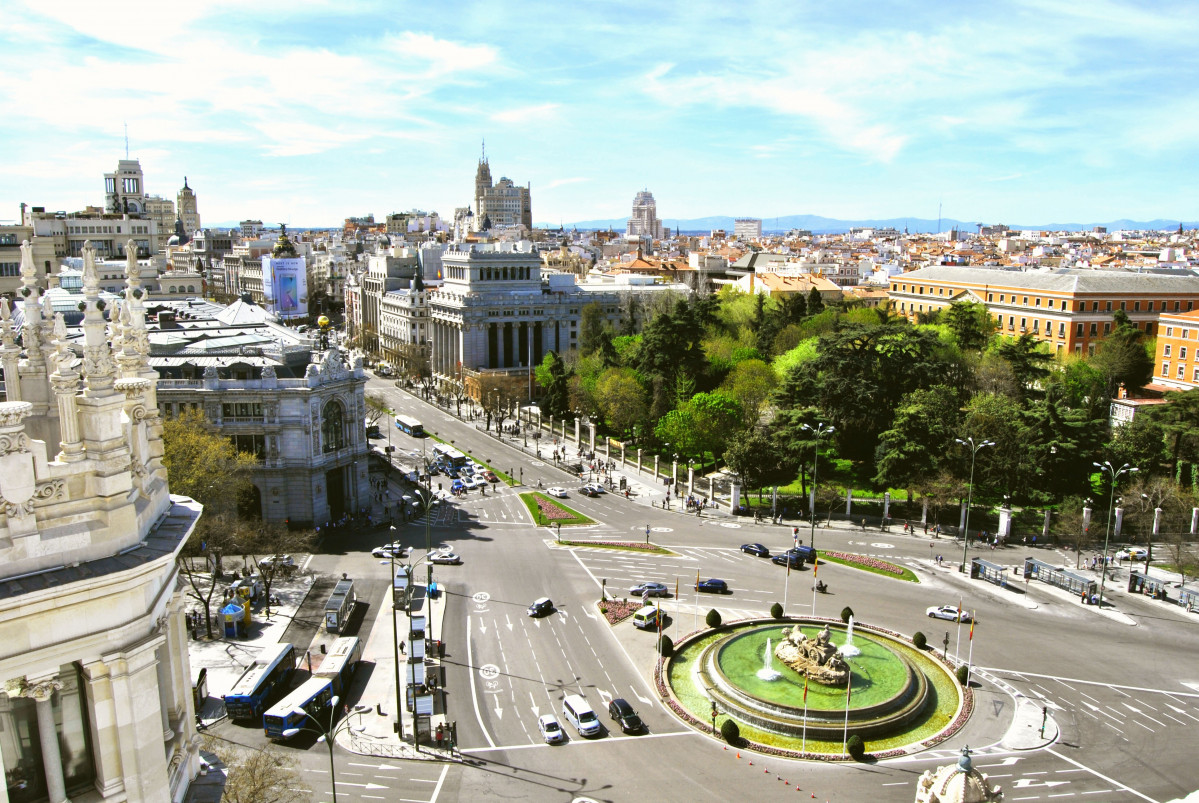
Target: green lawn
[
  {"x": 872, "y": 565},
  {"x": 572, "y": 517}
]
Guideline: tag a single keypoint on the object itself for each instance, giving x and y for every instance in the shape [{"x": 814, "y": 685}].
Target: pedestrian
[{"x": 402, "y": 648}]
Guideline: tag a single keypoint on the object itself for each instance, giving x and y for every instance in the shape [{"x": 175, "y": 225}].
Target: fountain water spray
[
  {"x": 848, "y": 649},
  {"x": 767, "y": 672}
]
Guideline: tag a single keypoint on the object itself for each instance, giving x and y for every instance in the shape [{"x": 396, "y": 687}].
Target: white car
[
  {"x": 556, "y": 491},
  {"x": 950, "y": 612},
  {"x": 551, "y": 731},
  {"x": 1132, "y": 553},
  {"x": 396, "y": 549},
  {"x": 277, "y": 561},
  {"x": 446, "y": 558}
]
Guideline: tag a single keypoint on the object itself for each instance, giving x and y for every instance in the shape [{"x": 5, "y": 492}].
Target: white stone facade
[{"x": 97, "y": 697}]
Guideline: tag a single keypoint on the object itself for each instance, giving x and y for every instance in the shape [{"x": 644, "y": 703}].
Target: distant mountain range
[{"x": 826, "y": 225}]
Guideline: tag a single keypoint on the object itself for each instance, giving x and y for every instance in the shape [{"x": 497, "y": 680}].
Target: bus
[
  {"x": 310, "y": 698},
  {"x": 340, "y": 664},
  {"x": 448, "y": 456},
  {"x": 410, "y": 426},
  {"x": 264, "y": 679},
  {"x": 340, "y": 606}
]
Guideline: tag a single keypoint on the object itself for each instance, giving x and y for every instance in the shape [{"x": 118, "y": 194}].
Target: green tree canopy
[
  {"x": 205, "y": 465},
  {"x": 622, "y": 399},
  {"x": 920, "y": 439}
]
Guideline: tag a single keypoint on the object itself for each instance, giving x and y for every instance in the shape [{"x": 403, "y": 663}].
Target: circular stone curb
[{"x": 666, "y": 693}]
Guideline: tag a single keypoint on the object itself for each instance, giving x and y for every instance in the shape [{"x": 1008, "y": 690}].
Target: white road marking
[
  {"x": 1101, "y": 776},
  {"x": 474, "y": 695}
]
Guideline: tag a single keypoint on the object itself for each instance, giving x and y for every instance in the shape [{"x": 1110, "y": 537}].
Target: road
[{"x": 1126, "y": 698}]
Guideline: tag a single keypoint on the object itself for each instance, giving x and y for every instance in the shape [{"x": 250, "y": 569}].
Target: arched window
[
  {"x": 333, "y": 429},
  {"x": 191, "y": 288}
]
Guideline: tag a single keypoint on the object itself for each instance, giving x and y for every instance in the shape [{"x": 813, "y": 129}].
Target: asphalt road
[{"x": 1125, "y": 697}]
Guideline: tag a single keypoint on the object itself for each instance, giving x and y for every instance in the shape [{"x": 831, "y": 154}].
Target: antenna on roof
[{"x": 126, "y": 140}]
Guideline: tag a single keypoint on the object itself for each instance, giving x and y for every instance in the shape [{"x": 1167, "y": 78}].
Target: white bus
[
  {"x": 410, "y": 426},
  {"x": 341, "y": 662},
  {"x": 448, "y": 456},
  {"x": 310, "y": 699}
]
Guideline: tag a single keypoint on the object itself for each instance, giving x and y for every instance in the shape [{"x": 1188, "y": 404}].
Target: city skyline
[{"x": 1034, "y": 111}]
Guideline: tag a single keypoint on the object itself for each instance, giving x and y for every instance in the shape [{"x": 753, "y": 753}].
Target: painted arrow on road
[
  {"x": 363, "y": 785},
  {"x": 499, "y": 712},
  {"x": 482, "y": 627},
  {"x": 374, "y": 766},
  {"x": 509, "y": 623},
  {"x": 645, "y": 700},
  {"x": 533, "y": 705}
]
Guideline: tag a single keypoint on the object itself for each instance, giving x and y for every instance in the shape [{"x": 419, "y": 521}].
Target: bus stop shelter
[
  {"x": 991, "y": 572},
  {"x": 1061, "y": 578},
  {"x": 1188, "y": 598},
  {"x": 1141, "y": 583}
]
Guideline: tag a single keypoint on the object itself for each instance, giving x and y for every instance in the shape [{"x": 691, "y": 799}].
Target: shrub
[
  {"x": 846, "y": 612},
  {"x": 713, "y": 618},
  {"x": 919, "y": 641},
  {"x": 665, "y": 646},
  {"x": 855, "y": 746},
  {"x": 730, "y": 731},
  {"x": 776, "y": 611},
  {"x": 963, "y": 672}
]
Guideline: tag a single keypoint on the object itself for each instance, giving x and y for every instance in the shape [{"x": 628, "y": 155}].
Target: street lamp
[
  {"x": 974, "y": 447},
  {"x": 1114, "y": 474},
  {"x": 820, "y": 429},
  {"x": 326, "y": 735}
]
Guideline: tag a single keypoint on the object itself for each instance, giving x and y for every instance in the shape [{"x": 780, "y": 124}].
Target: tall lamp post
[
  {"x": 819, "y": 430},
  {"x": 408, "y": 609},
  {"x": 327, "y": 735},
  {"x": 1114, "y": 475},
  {"x": 974, "y": 448}
]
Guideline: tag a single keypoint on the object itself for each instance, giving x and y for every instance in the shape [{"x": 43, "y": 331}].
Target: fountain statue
[
  {"x": 816, "y": 658},
  {"x": 767, "y": 672},
  {"x": 848, "y": 649}
]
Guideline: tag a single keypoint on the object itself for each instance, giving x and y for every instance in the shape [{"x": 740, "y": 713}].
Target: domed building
[{"x": 956, "y": 783}]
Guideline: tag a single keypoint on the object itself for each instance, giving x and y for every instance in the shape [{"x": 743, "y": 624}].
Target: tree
[
  {"x": 920, "y": 438},
  {"x": 376, "y": 407},
  {"x": 750, "y": 382},
  {"x": 205, "y": 465},
  {"x": 671, "y": 344},
  {"x": 756, "y": 458},
  {"x": 1180, "y": 420},
  {"x": 552, "y": 376},
  {"x": 497, "y": 395},
  {"x": 591, "y": 326},
  {"x": 971, "y": 324},
  {"x": 255, "y": 776},
  {"x": 1141, "y": 443},
  {"x": 1123, "y": 358},
  {"x": 717, "y": 417},
  {"x": 622, "y": 399},
  {"x": 1029, "y": 359},
  {"x": 815, "y": 303}
]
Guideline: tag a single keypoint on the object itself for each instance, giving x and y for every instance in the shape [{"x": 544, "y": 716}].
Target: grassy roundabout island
[{"x": 900, "y": 699}]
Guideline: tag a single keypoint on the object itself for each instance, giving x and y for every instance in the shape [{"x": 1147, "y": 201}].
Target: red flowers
[
  {"x": 617, "y": 610},
  {"x": 862, "y": 560},
  {"x": 552, "y": 511}
]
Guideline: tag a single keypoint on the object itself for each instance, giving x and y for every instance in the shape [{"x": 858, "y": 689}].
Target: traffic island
[{"x": 898, "y": 700}]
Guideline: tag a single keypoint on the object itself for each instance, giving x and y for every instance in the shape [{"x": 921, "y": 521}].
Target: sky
[{"x": 1030, "y": 111}]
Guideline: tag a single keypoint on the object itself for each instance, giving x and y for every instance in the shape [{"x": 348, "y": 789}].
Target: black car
[
  {"x": 788, "y": 559},
  {"x": 620, "y": 710},
  {"x": 806, "y": 552},
  {"x": 713, "y": 586},
  {"x": 756, "y": 549},
  {"x": 541, "y": 607}
]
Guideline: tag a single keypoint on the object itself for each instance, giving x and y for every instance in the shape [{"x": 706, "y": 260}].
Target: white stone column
[
  {"x": 656, "y": 467},
  {"x": 1119, "y": 523},
  {"x": 638, "y": 460},
  {"x": 592, "y": 425},
  {"x": 578, "y": 440},
  {"x": 1045, "y": 526},
  {"x": 135, "y": 697},
  {"x": 47, "y": 731},
  {"x": 849, "y": 501},
  {"x": 104, "y": 732},
  {"x": 886, "y": 506},
  {"x": 690, "y": 479},
  {"x": 1194, "y": 520}
]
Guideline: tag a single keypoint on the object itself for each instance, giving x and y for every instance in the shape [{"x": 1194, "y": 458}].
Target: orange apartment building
[
  {"x": 1177, "y": 363},
  {"x": 1071, "y": 309}
]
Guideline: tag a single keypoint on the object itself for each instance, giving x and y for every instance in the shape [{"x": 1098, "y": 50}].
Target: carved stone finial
[
  {"x": 8, "y": 337},
  {"x": 133, "y": 276},
  {"x": 28, "y": 269},
  {"x": 91, "y": 279}
]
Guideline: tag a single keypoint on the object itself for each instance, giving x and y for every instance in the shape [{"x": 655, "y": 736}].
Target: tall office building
[
  {"x": 644, "y": 221},
  {"x": 502, "y": 203},
  {"x": 125, "y": 189},
  {"x": 747, "y": 228}
]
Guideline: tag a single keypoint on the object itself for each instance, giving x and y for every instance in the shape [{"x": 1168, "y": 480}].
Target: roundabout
[{"x": 853, "y": 680}]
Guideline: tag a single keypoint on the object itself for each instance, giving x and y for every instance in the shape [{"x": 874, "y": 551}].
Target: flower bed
[
  {"x": 868, "y": 563},
  {"x": 635, "y": 545},
  {"x": 550, "y": 510},
  {"x": 617, "y": 610}
]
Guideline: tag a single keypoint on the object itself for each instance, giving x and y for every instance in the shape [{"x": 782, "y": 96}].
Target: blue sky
[{"x": 1035, "y": 112}]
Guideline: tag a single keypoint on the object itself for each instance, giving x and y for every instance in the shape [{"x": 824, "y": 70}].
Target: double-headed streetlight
[
  {"x": 408, "y": 569},
  {"x": 326, "y": 734},
  {"x": 974, "y": 447},
  {"x": 1114, "y": 475},
  {"x": 818, "y": 430}
]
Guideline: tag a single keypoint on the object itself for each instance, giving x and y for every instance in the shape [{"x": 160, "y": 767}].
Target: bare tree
[
  {"x": 262, "y": 540},
  {"x": 254, "y": 776},
  {"x": 376, "y": 408}
]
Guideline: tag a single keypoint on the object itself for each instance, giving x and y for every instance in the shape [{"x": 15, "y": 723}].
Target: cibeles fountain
[{"x": 814, "y": 682}]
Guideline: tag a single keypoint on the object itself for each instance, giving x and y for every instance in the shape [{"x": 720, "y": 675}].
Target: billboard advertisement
[{"x": 285, "y": 286}]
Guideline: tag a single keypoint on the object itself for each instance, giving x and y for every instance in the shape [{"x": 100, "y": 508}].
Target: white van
[
  {"x": 577, "y": 712},
  {"x": 646, "y": 618}
]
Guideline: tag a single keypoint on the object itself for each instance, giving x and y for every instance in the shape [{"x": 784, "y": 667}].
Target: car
[
  {"x": 282, "y": 562},
  {"x": 393, "y": 550},
  {"x": 756, "y": 549},
  {"x": 599, "y": 489},
  {"x": 550, "y": 730},
  {"x": 649, "y": 589},
  {"x": 373, "y": 431},
  {"x": 713, "y": 586},
  {"x": 950, "y": 612},
  {"x": 541, "y": 607},
  {"x": 587, "y": 490},
  {"x": 1132, "y": 553},
  {"x": 490, "y": 476},
  {"x": 433, "y": 470},
  {"x": 804, "y": 551},
  {"x": 788, "y": 559},
  {"x": 620, "y": 710},
  {"x": 556, "y": 491},
  {"x": 458, "y": 485},
  {"x": 446, "y": 558}
]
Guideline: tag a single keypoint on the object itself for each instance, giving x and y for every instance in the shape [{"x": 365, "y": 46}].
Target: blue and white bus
[
  {"x": 310, "y": 698},
  {"x": 265, "y": 679},
  {"x": 340, "y": 664},
  {"x": 448, "y": 456},
  {"x": 410, "y": 426}
]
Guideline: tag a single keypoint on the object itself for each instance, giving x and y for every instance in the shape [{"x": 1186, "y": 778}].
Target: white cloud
[
  {"x": 563, "y": 182},
  {"x": 526, "y": 114},
  {"x": 441, "y": 56}
]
